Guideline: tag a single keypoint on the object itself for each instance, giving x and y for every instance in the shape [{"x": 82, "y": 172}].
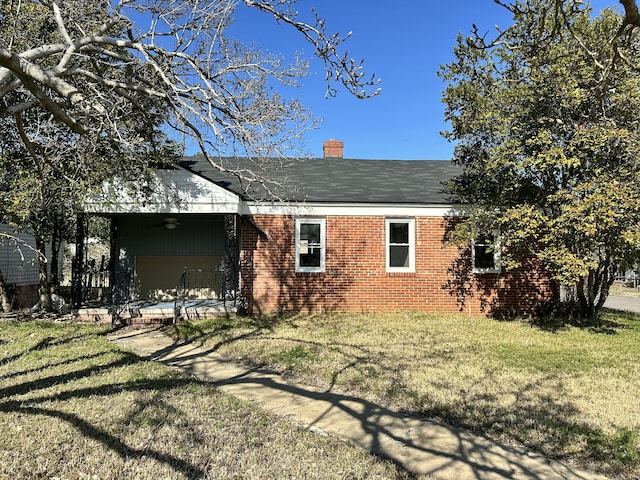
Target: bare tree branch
[{"x": 180, "y": 57}]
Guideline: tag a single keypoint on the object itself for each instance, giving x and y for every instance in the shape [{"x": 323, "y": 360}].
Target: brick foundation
[{"x": 356, "y": 280}]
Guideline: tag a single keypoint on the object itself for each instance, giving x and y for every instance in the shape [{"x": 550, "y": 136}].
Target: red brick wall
[
  {"x": 333, "y": 148},
  {"x": 356, "y": 280}
]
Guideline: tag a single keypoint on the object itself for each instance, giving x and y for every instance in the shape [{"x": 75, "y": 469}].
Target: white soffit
[
  {"x": 349, "y": 210},
  {"x": 173, "y": 191}
]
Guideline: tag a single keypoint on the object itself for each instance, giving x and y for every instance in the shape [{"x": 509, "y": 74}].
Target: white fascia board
[
  {"x": 174, "y": 191},
  {"x": 350, "y": 210}
]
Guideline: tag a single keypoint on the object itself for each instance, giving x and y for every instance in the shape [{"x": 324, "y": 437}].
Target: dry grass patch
[
  {"x": 568, "y": 392},
  {"x": 73, "y": 405}
]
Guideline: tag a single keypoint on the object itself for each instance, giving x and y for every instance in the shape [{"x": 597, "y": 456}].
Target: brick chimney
[{"x": 333, "y": 149}]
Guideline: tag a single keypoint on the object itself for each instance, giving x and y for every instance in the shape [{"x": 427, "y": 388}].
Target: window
[
  {"x": 310, "y": 247},
  {"x": 400, "y": 245},
  {"x": 485, "y": 253}
]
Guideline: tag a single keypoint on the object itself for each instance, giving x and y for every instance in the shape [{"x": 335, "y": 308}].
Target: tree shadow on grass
[
  {"x": 435, "y": 439},
  {"x": 609, "y": 322},
  {"x": 20, "y": 373},
  {"x": 34, "y": 404},
  {"x": 42, "y": 344},
  {"x": 545, "y": 423},
  {"x": 414, "y": 440},
  {"x": 221, "y": 333},
  {"x": 112, "y": 442},
  {"x": 225, "y": 329},
  {"x": 385, "y": 432}
]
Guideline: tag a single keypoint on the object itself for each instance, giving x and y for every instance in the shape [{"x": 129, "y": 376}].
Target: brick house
[{"x": 342, "y": 235}]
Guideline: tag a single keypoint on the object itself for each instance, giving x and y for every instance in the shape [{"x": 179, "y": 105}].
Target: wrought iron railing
[
  {"x": 95, "y": 281},
  {"x": 120, "y": 296},
  {"x": 200, "y": 284}
]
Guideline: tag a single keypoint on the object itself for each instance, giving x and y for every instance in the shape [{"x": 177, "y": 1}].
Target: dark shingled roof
[{"x": 335, "y": 180}]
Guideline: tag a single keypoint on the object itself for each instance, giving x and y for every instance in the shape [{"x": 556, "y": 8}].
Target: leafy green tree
[{"x": 547, "y": 116}]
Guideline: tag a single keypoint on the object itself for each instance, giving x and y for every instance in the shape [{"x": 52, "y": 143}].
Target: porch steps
[
  {"x": 92, "y": 314},
  {"x": 141, "y": 313}
]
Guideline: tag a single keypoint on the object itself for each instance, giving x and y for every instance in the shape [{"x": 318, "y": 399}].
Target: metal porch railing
[
  {"x": 120, "y": 296},
  {"x": 202, "y": 284}
]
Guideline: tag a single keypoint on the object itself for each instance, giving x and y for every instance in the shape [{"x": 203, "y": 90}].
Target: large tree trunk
[
  {"x": 44, "y": 290},
  {"x": 592, "y": 291},
  {"x": 4, "y": 296},
  {"x": 607, "y": 274},
  {"x": 56, "y": 242}
]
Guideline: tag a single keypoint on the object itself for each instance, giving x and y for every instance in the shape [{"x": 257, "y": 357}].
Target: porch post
[{"x": 230, "y": 262}]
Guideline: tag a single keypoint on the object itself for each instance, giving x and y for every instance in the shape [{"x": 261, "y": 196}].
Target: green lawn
[
  {"x": 573, "y": 393},
  {"x": 75, "y": 406}
]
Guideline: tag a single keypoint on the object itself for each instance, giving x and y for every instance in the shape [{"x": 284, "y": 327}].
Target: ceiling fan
[{"x": 170, "y": 223}]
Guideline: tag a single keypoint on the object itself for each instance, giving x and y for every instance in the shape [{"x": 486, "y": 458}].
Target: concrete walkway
[
  {"x": 619, "y": 302},
  {"x": 420, "y": 446}
]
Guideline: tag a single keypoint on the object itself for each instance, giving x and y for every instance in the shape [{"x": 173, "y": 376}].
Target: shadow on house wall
[
  {"x": 269, "y": 282},
  {"x": 525, "y": 291}
]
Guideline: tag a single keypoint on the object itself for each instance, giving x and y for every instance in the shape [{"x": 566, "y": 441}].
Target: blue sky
[{"x": 403, "y": 43}]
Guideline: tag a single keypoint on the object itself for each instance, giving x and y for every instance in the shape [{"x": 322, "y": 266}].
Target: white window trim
[
  {"x": 319, "y": 221},
  {"x": 496, "y": 256},
  {"x": 412, "y": 245}
]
